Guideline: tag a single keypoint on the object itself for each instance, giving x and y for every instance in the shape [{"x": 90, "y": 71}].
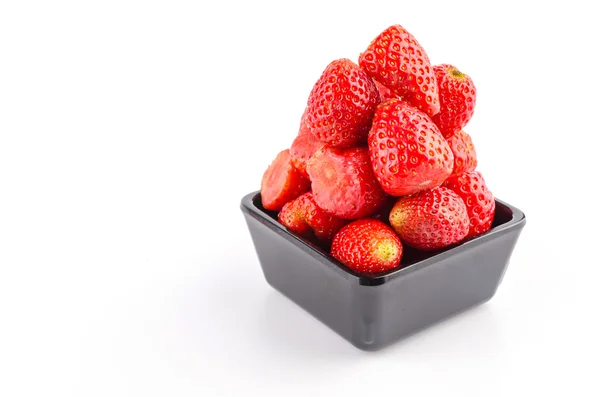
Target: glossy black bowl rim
[{"x": 247, "y": 205}]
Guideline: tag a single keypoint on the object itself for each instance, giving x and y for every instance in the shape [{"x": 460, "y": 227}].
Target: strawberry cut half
[
  {"x": 302, "y": 149},
  {"x": 343, "y": 182},
  {"x": 282, "y": 182}
]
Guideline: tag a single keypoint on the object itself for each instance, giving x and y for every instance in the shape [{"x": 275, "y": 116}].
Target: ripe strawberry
[
  {"x": 480, "y": 202},
  {"x": 303, "y": 215},
  {"x": 457, "y": 99},
  {"x": 367, "y": 246},
  {"x": 407, "y": 150},
  {"x": 303, "y": 148},
  {"x": 398, "y": 61},
  {"x": 463, "y": 150},
  {"x": 341, "y": 104},
  {"x": 292, "y": 217},
  {"x": 430, "y": 220},
  {"x": 343, "y": 182},
  {"x": 384, "y": 92},
  {"x": 304, "y": 124},
  {"x": 282, "y": 182}
]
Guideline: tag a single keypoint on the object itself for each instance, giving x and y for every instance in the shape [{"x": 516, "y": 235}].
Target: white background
[{"x": 129, "y": 131}]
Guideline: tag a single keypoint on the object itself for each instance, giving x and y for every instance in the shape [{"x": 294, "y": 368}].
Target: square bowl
[{"x": 372, "y": 311}]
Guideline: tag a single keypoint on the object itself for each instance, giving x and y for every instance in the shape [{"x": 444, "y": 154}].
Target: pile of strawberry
[{"x": 381, "y": 159}]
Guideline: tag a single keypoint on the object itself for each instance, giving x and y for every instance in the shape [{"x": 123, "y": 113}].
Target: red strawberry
[
  {"x": 341, "y": 104},
  {"x": 367, "y": 246},
  {"x": 292, "y": 217},
  {"x": 480, "y": 202},
  {"x": 304, "y": 124},
  {"x": 457, "y": 99},
  {"x": 430, "y": 220},
  {"x": 343, "y": 182},
  {"x": 303, "y": 215},
  {"x": 384, "y": 92},
  {"x": 303, "y": 148},
  {"x": 407, "y": 150},
  {"x": 398, "y": 61},
  {"x": 282, "y": 182},
  {"x": 463, "y": 150}
]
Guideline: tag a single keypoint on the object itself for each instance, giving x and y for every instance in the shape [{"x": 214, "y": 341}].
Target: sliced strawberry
[
  {"x": 282, "y": 182},
  {"x": 303, "y": 148},
  {"x": 343, "y": 182}
]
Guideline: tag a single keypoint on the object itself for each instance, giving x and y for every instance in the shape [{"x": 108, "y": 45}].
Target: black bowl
[{"x": 372, "y": 311}]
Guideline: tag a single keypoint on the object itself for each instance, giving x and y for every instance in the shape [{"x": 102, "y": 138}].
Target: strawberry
[
  {"x": 292, "y": 217},
  {"x": 480, "y": 202},
  {"x": 457, "y": 99},
  {"x": 282, "y": 182},
  {"x": 303, "y": 215},
  {"x": 367, "y": 246},
  {"x": 341, "y": 105},
  {"x": 431, "y": 219},
  {"x": 343, "y": 182},
  {"x": 398, "y": 61},
  {"x": 302, "y": 149},
  {"x": 465, "y": 157},
  {"x": 407, "y": 151},
  {"x": 304, "y": 124},
  {"x": 384, "y": 92}
]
